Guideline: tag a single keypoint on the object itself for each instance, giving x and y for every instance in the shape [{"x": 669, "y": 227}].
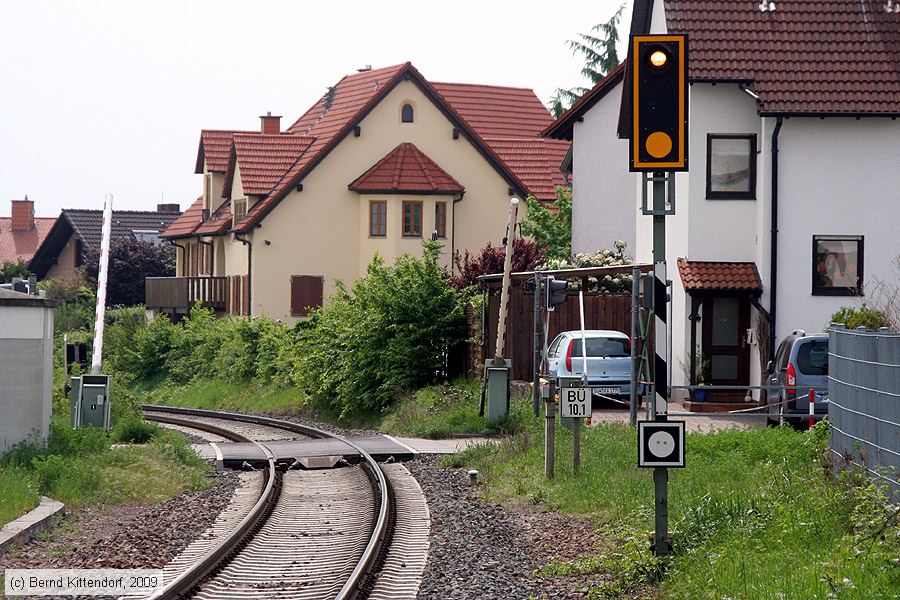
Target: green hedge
[{"x": 390, "y": 333}]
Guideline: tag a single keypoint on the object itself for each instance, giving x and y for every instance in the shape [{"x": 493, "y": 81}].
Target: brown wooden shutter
[{"x": 306, "y": 291}]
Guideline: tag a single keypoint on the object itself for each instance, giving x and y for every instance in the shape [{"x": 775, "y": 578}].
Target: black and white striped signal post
[{"x": 658, "y": 147}]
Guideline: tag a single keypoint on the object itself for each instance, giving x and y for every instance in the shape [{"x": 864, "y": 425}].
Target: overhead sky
[{"x": 110, "y": 96}]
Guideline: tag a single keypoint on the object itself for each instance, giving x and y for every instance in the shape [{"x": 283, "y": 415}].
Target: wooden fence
[{"x": 601, "y": 311}]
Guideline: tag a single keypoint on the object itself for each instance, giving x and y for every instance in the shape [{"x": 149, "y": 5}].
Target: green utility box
[
  {"x": 90, "y": 401},
  {"x": 567, "y": 382},
  {"x": 497, "y": 373}
]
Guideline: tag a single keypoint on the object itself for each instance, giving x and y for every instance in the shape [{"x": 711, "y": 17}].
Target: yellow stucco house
[{"x": 384, "y": 159}]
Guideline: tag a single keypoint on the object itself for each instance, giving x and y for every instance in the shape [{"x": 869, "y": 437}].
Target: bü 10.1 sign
[{"x": 575, "y": 402}]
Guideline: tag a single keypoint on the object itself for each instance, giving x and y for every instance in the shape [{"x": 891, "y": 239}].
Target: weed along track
[{"x": 315, "y": 518}]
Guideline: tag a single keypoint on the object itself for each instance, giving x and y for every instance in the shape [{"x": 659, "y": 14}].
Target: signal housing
[{"x": 659, "y": 135}]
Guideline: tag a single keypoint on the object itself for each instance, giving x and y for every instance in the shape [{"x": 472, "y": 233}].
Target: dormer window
[{"x": 406, "y": 113}]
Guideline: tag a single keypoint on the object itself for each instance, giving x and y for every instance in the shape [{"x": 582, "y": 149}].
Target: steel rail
[
  {"x": 358, "y": 577},
  {"x": 192, "y": 576}
]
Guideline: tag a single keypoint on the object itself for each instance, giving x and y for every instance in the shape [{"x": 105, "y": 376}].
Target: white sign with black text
[{"x": 575, "y": 402}]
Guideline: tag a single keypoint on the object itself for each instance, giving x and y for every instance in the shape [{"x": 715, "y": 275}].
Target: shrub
[
  {"x": 10, "y": 269},
  {"x": 870, "y": 318},
  {"x": 76, "y": 304},
  {"x": 130, "y": 262},
  {"x": 390, "y": 333},
  {"x": 601, "y": 258},
  {"x": 527, "y": 254},
  {"x": 134, "y": 430}
]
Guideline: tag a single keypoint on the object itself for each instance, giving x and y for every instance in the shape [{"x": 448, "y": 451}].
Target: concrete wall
[
  {"x": 835, "y": 178},
  {"x": 602, "y": 189},
  {"x": 322, "y": 230},
  {"x": 26, "y": 370},
  {"x": 65, "y": 263}
]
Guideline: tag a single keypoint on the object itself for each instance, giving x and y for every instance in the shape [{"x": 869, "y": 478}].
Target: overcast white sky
[{"x": 110, "y": 96}]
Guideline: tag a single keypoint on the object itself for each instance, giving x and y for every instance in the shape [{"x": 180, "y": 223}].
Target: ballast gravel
[
  {"x": 130, "y": 536},
  {"x": 481, "y": 550}
]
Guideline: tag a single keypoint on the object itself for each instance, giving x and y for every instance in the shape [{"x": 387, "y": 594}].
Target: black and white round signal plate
[{"x": 661, "y": 443}]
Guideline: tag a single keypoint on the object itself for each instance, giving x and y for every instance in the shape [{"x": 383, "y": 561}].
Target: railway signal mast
[{"x": 658, "y": 148}]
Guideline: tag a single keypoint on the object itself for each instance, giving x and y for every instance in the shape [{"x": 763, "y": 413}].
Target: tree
[
  {"x": 527, "y": 254},
  {"x": 552, "y": 229},
  {"x": 600, "y": 57},
  {"x": 130, "y": 262},
  {"x": 10, "y": 269}
]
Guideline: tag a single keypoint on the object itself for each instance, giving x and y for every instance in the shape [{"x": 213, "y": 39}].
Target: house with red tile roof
[
  {"x": 21, "y": 233},
  {"x": 790, "y": 209},
  {"x": 383, "y": 160}
]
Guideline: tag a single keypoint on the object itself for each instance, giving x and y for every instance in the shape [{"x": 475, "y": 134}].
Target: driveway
[{"x": 696, "y": 422}]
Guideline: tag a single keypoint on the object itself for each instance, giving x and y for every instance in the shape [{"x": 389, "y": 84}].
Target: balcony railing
[{"x": 179, "y": 294}]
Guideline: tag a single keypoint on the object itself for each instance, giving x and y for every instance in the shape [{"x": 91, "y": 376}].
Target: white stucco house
[{"x": 791, "y": 207}]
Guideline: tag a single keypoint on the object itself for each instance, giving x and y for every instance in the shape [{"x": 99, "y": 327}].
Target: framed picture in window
[
  {"x": 837, "y": 268},
  {"x": 731, "y": 166}
]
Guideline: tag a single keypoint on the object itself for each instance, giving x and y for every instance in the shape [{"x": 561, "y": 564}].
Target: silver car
[{"x": 608, "y": 360}]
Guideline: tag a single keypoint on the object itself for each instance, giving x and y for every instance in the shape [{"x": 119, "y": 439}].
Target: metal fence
[{"x": 864, "y": 407}]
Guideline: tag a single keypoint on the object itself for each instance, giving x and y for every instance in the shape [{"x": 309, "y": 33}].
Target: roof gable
[
  {"x": 517, "y": 112},
  {"x": 562, "y": 127},
  {"x": 406, "y": 170},
  {"x": 263, "y": 160},
  {"x": 215, "y": 148}
]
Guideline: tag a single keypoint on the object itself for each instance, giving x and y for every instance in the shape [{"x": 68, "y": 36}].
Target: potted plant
[{"x": 697, "y": 395}]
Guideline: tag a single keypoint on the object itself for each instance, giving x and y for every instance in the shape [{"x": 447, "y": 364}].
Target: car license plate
[{"x": 606, "y": 390}]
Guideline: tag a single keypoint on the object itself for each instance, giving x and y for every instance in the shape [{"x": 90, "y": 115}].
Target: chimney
[
  {"x": 22, "y": 215},
  {"x": 270, "y": 125},
  {"x": 168, "y": 208}
]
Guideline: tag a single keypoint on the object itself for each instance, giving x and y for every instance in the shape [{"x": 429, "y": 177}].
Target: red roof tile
[
  {"x": 188, "y": 221},
  {"x": 494, "y": 111},
  {"x": 22, "y": 244},
  {"x": 406, "y": 169},
  {"x": 806, "y": 56},
  {"x": 697, "y": 275},
  {"x": 215, "y": 148},
  {"x": 535, "y": 160},
  {"x": 264, "y": 159},
  {"x": 218, "y": 223},
  {"x": 517, "y": 112}
]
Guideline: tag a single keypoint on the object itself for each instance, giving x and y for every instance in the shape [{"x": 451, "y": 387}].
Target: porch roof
[{"x": 713, "y": 276}]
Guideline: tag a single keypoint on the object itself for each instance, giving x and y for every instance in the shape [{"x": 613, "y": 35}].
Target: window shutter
[{"x": 306, "y": 291}]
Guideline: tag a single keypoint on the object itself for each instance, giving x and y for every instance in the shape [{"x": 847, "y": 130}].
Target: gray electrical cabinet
[
  {"x": 90, "y": 401},
  {"x": 497, "y": 373}
]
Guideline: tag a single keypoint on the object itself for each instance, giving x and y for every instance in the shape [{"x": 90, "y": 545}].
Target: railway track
[{"x": 305, "y": 534}]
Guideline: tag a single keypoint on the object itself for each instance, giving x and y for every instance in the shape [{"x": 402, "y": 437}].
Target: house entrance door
[{"x": 725, "y": 323}]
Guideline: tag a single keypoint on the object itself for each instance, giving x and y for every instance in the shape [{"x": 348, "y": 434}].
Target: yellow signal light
[{"x": 658, "y": 58}]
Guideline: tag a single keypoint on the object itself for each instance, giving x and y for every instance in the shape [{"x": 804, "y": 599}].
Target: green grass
[
  {"x": 434, "y": 412},
  {"x": 225, "y": 395},
  {"x": 79, "y": 467},
  {"x": 755, "y": 514},
  {"x": 442, "y": 411},
  {"x": 18, "y": 494}
]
